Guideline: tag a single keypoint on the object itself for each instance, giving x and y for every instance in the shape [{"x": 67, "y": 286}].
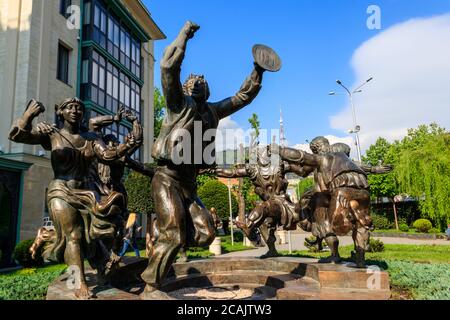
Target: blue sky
[{"x": 316, "y": 41}]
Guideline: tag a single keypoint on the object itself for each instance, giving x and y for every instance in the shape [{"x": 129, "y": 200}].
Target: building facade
[{"x": 98, "y": 50}]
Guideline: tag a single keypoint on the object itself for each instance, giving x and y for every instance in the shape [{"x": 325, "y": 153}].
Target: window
[
  {"x": 63, "y": 64},
  {"x": 63, "y": 5}
]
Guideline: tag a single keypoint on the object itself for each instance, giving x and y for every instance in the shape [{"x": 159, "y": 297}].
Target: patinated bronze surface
[
  {"x": 86, "y": 219},
  {"x": 340, "y": 200},
  {"x": 277, "y": 209},
  {"x": 182, "y": 219}
]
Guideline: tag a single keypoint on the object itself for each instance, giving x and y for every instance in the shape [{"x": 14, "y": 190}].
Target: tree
[
  {"x": 204, "y": 178},
  {"x": 422, "y": 169},
  {"x": 381, "y": 185},
  {"x": 159, "y": 104},
  {"x": 214, "y": 194},
  {"x": 254, "y": 122},
  {"x": 251, "y": 198}
]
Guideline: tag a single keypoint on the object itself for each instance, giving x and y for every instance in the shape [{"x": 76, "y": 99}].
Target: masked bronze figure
[
  {"x": 182, "y": 220},
  {"x": 81, "y": 214},
  {"x": 277, "y": 209}
]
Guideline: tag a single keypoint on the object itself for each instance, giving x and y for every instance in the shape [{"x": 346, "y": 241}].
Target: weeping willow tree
[{"x": 422, "y": 169}]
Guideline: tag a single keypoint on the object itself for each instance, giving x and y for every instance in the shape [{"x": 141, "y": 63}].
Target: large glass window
[{"x": 110, "y": 33}]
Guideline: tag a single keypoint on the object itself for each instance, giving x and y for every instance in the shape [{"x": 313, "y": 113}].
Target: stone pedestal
[
  {"x": 282, "y": 278},
  {"x": 216, "y": 248}
]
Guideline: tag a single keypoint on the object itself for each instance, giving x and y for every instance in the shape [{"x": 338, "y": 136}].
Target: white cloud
[
  {"x": 227, "y": 126},
  {"x": 410, "y": 63}
]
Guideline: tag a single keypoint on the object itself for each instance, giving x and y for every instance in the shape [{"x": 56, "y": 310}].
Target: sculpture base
[{"x": 283, "y": 278}]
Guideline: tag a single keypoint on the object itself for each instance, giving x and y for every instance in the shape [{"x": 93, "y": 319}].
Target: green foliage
[
  {"x": 426, "y": 281},
  {"x": 375, "y": 245},
  {"x": 403, "y": 227},
  {"x": 139, "y": 192},
  {"x": 22, "y": 254},
  {"x": 251, "y": 198},
  {"x": 422, "y": 169},
  {"x": 28, "y": 284},
  {"x": 159, "y": 104},
  {"x": 422, "y": 225},
  {"x": 434, "y": 230},
  {"x": 303, "y": 185},
  {"x": 381, "y": 222},
  {"x": 214, "y": 194},
  {"x": 203, "y": 178},
  {"x": 254, "y": 122},
  {"x": 381, "y": 185}
]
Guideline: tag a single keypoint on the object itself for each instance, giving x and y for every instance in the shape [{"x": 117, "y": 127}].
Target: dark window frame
[{"x": 63, "y": 63}]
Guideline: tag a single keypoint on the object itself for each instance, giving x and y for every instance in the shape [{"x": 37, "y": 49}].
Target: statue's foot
[
  {"x": 151, "y": 293},
  {"x": 83, "y": 293},
  {"x": 359, "y": 262},
  {"x": 331, "y": 259},
  {"x": 270, "y": 254}
]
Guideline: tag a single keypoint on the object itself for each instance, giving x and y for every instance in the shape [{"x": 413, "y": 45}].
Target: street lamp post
[{"x": 356, "y": 128}]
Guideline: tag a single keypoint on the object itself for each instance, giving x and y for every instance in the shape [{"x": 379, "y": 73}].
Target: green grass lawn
[
  {"x": 415, "y": 271},
  {"x": 410, "y": 231}
]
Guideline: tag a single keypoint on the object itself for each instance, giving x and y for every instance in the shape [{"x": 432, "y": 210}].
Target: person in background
[
  {"x": 447, "y": 232},
  {"x": 132, "y": 229}
]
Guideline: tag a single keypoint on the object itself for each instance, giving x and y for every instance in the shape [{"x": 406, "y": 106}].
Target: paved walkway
[{"x": 298, "y": 240}]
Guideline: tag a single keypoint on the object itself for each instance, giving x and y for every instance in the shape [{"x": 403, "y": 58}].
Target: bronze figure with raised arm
[
  {"x": 182, "y": 219},
  {"x": 81, "y": 214},
  {"x": 276, "y": 210}
]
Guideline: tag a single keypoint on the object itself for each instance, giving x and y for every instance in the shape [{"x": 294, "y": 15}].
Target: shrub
[
  {"x": 238, "y": 236},
  {"x": 375, "y": 245},
  {"x": 139, "y": 190},
  {"x": 381, "y": 222},
  {"x": 214, "y": 194},
  {"x": 22, "y": 255},
  {"x": 434, "y": 230},
  {"x": 422, "y": 225},
  {"x": 403, "y": 227}
]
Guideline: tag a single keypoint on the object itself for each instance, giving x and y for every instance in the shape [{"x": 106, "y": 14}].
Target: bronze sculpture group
[{"x": 88, "y": 202}]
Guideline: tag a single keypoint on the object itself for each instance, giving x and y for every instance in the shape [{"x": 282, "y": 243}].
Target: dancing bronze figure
[
  {"x": 341, "y": 199},
  {"x": 182, "y": 220},
  {"x": 277, "y": 209},
  {"x": 81, "y": 214}
]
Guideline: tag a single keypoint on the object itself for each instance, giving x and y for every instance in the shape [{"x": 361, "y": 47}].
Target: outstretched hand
[{"x": 190, "y": 28}]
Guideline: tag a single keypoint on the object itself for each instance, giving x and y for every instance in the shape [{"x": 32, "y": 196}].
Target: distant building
[{"x": 107, "y": 61}]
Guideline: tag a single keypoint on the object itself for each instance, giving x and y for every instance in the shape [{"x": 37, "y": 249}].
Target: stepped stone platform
[{"x": 282, "y": 278}]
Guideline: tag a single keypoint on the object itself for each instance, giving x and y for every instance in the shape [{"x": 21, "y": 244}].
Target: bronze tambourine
[{"x": 266, "y": 58}]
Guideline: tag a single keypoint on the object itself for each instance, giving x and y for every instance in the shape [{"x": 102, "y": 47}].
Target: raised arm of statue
[
  {"x": 96, "y": 124},
  {"x": 139, "y": 167},
  {"x": 171, "y": 67},
  {"x": 302, "y": 171},
  {"x": 231, "y": 173},
  {"x": 22, "y": 130},
  {"x": 297, "y": 157},
  {"x": 105, "y": 154},
  {"x": 246, "y": 94}
]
